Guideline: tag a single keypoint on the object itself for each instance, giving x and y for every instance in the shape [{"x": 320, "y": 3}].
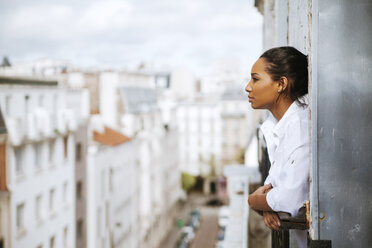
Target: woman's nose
[{"x": 248, "y": 88}]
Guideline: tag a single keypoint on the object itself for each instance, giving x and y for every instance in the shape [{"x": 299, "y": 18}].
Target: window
[
  {"x": 27, "y": 102},
  {"x": 65, "y": 237},
  {"x": 38, "y": 155},
  {"x": 51, "y": 151},
  {"x": 7, "y": 104},
  {"x": 78, "y": 152},
  {"x": 19, "y": 159},
  {"x": 20, "y": 216},
  {"x": 65, "y": 146},
  {"x": 51, "y": 200},
  {"x": 52, "y": 242},
  {"x": 103, "y": 184},
  {"x": 41, "y": 101},
  {"x": 107, "y": 214},
  {"x": 79, "y": 229},
  {"x": 111, "y": 180},
  {"x": 38, "y": 208},
  {"x": 55, "y": 103},
  {"x": 65, "y": 192},
  {"x": 79, "y": 190},
  {"x": 99, "y": 213}
]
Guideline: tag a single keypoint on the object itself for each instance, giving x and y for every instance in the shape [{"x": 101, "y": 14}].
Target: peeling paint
[{"x": 353, "y": 232}]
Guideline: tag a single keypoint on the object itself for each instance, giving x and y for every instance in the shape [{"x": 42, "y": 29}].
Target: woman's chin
[{"x": 253, "y": 105}]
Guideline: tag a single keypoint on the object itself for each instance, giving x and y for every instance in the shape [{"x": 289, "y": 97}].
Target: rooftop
[
  {"x": 234, "y": 92},
  {"x": 27, "y": 81},
  {"x": 139, "y": 100},
  {"x": 110, "y": 137}
]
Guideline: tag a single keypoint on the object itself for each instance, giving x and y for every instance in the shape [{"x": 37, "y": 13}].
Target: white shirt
[{"x": 289, "y": 153}]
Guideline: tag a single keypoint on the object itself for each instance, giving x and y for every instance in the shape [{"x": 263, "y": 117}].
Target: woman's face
[{"x": 262, "y": 90}]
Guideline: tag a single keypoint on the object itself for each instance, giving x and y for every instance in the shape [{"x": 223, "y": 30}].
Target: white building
[
  {"x": 39, "y": 158},
  {"x": 237, "y": 128},
  {"x": 183, "y": 84},
  {"x": 239, "y": 178},
  {"x": 111, "y": 191},
  {"x": 78, "y": 101},
  {"x": 41, "y": 68},
  {"x": 199, "y": 126},
  {"x": 128, "y": 102}
]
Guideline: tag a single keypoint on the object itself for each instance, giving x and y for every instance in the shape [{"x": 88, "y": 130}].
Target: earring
[{"x": 278, "y": 90}]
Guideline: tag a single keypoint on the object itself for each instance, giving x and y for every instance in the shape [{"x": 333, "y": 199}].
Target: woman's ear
[{"x": 282, "y": 84}]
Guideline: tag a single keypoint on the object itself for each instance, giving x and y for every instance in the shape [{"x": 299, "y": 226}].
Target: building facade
[
  {"x": 39, "y": 158},
  {"x": 199, "y": 127}
]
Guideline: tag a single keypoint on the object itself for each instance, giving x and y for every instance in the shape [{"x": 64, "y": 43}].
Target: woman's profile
[{"x": 279, "y": 81}]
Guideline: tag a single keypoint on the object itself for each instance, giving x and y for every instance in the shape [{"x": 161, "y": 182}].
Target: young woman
[{"x": 279, "y": 80}]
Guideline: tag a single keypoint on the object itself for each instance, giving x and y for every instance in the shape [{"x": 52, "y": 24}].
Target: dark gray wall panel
[{"x": 344, "y": 121}]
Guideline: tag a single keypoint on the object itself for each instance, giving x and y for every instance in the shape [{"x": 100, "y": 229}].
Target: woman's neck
[{"x": 279, "y": 109}]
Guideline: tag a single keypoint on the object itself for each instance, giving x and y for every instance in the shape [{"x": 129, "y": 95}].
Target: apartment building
[
  {"x": 110, "y": 191},
  {"x": 39, "y": 164},
  {"x": 129, "y": 103},
  {"x": 199, "y": 126},
  {"x": 236, "y": 115}
]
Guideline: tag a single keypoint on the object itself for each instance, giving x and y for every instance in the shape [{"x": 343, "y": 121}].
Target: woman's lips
[{"x": 250, "y": 98}]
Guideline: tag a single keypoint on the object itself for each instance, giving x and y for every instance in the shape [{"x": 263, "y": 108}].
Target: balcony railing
[{"x": 280, "y": 239}]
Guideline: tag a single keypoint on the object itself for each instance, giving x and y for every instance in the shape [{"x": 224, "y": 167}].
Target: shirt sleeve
[
  {"x": 268, "y": 180},
  {"x": 291, "y": 195}
]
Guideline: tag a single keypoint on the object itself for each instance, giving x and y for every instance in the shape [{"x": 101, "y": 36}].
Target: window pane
[
  {"x": 19, "y": 159},
  {"x": 38, "y": 155},
  {"x": 38, "y": 208},
  {"x": 20, "y": 216}
]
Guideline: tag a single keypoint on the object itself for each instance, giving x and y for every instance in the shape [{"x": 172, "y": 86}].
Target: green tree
[{"x": 188, "y": 181}]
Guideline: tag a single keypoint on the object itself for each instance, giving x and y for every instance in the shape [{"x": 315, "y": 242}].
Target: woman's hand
[
  {"x": 271, "y": 220},
  {"x": 257, "y": 200},
  {"x": 263, "y": 189}
]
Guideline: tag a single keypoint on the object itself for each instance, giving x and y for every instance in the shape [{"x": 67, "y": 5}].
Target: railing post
[{"x": 280, "y": 239}]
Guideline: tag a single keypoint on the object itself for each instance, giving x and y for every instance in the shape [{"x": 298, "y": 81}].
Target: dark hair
[{"x": 288, "y": 62}]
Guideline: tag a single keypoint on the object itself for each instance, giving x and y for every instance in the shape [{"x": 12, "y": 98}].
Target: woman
[{"x": 279, "y": 82}]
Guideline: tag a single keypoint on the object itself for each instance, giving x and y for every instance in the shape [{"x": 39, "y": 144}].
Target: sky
[{"x": 126, "y": 33}]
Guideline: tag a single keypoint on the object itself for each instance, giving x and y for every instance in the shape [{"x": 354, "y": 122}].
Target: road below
[{"x": 207, "y": 233}]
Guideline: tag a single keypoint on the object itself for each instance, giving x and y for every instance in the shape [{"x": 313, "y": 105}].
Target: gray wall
[{"x": 342, "y": 120}]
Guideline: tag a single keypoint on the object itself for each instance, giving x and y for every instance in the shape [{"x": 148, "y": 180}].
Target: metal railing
[{"x": 280, "y": 239}]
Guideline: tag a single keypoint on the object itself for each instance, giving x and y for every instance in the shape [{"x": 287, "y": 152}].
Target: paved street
[{"x": 206, "y": 234}]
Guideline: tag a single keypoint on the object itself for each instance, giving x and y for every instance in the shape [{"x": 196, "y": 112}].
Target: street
[{"x": 206, "y": 234}]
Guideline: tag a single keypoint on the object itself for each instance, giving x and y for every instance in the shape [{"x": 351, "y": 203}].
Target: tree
[{"x": 188, "y": 181}]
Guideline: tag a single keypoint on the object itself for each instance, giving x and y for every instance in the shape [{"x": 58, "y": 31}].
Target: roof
[
  {"x": 27, "y": 81},
  {"x": 139, "y": 100},
  {"x": 234, "y": 92},
  {"x": 110, "y": 137}
]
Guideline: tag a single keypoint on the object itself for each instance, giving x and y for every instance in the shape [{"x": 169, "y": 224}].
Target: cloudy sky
[{"x": 124, "y": 33}]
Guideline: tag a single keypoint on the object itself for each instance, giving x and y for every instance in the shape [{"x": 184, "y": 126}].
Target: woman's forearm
[{"x": 258, "y": 202}]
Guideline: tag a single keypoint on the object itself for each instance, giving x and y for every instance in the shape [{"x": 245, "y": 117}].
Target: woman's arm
[
  {"x": 272, "y": 220},
  {"x": 257, "y": 200}
]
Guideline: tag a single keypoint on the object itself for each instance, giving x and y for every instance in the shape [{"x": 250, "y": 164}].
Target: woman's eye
[{"x": 255, "y": 79}]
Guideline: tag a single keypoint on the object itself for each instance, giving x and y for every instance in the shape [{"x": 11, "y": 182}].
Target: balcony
[{"x": 39, "y": 124}]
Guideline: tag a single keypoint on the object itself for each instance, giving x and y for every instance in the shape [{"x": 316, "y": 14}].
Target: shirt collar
[{"x": 278, "y": 127}]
